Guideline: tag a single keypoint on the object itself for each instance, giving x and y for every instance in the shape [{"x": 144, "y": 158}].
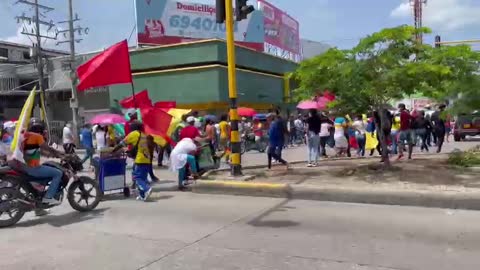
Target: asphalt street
[{"x": 192, "y": 231}]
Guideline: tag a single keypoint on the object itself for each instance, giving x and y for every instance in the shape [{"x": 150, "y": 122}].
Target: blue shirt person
[{"x": 86, "y": 139}]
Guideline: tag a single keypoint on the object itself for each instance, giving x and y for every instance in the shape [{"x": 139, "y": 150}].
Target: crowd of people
[{"x": 402, "y": 129}]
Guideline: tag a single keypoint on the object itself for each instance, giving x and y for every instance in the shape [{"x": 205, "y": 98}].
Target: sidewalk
[{"x": 425, "y": 181}]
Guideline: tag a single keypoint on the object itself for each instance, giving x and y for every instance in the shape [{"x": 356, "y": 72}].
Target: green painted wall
[
  {"x": 253, "y": 87},
  {"x": 259, "y": 61},
  {"x": 174, "y": 55},
  {"x": 194, "y": 86}
]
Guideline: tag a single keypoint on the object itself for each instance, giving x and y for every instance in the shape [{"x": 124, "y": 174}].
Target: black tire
[
  {"x": 457, "y": 138},
  {"x": 126, "y": 192},
  {"x": 262, "y": 146},
  {"x": 243, "y": 147},
  {"x": 85, "y": 194},
  {"x": 10, "y": 193}
]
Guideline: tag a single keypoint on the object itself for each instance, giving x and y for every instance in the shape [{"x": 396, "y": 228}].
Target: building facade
[{"x": 18, "y": 75}]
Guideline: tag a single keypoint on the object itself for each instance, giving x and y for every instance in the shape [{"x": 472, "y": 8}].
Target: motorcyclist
[{"x": 32, "y": 146}]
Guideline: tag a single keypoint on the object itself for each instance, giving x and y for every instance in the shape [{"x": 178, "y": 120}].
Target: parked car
[{"x": 466, "y": 124}]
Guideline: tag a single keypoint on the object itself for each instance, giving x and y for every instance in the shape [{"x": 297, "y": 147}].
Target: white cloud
[{"x": 443, "y": 14}]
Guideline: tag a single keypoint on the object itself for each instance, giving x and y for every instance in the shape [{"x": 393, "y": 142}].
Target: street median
[{"x": 438, "y": 199}]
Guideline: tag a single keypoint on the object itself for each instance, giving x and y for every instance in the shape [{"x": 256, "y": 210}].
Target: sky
[{"x": 338, "y": 23}]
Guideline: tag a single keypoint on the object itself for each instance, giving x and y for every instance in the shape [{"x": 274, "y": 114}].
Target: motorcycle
[
  {"x": 248, "y": 143},
  {"x": 21, "y": 193}
]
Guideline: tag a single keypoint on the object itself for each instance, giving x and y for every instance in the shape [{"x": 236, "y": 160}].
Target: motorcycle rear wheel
[
  {"x": 78, "y": 188},
  {"x": 6, "y": 196}
]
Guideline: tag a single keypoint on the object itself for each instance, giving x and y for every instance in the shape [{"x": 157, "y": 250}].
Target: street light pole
[{"x": 236, "y": 162}]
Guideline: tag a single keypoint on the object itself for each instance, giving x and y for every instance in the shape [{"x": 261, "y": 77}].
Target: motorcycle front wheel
[
  {"x": 10, "y": 212},
  {"x": 84, "y": 195}
]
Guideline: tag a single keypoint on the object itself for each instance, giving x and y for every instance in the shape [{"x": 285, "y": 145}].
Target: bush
[{"x": 465, "y": 159}]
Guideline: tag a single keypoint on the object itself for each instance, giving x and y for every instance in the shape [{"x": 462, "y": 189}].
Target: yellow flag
[{"x": 22, "y": 125}]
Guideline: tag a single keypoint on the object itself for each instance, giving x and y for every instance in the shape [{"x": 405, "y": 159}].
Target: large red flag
[
  {"x": 141, "y": 98},
  {"x": 156, "y": 121},
  {"x": 109, "y": 67}
]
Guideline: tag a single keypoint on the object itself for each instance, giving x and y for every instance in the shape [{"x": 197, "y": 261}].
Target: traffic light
[
  {"x": 437, "y": 42},
  {"x": 220, "y": 11},
  {"x": 242, "y": 9}
]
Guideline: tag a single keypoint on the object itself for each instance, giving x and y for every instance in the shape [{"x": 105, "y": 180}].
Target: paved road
[{"x": 192, "y": 231}]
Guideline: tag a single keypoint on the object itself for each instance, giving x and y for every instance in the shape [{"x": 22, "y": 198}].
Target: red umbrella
[{"x": 246, "y": 112}]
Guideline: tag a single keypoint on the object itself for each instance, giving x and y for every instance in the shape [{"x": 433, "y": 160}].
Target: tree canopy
[{"x": 388, "y": 65}]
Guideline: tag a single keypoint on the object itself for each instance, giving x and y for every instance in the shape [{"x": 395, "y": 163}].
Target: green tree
[
  {"x": 384, "y": 67},
  {"x": 460, "y": 81}
]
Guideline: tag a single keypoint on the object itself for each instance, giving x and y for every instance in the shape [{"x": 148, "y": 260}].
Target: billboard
[
  {"x": 167, "y": 22},
  {"x": 282, "y": 32}
]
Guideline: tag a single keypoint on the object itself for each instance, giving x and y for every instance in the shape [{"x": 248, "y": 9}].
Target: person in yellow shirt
[
  {"x": 394, "y": 134},
  {"x": 141, "y": 151},
  {"x": 224, "y": 128}
]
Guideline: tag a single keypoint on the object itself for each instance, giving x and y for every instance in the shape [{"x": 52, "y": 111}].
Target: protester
[
  {"x": 190, "y": 131},
  {"x": 313, "y": 137},
  {"x": 422, "y": 126},
  {"x": 86, "y": 139},
  {"x": 276, "y": 135},
  {"x": 210, "y": 134},
  {"x": 141, "y": 151},
  {"x": 68, "y": 139},
  {"x": 224, "y": 128},
  {"x": 183, "y": 154},
  {"x": 299, "y": 129},
  {"x": 438, "y": 122},
  {"x": 406, "y": 134},
  {"x": 326, "y": 127},
  {"x": 360, "y": 135},
  {"x": 100, "y": 137},
  {"x": 394, "y": 133},
  {"x": 341, "y": 141}
]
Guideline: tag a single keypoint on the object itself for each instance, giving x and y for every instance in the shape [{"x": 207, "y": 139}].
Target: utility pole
[
  {"x": 37, "y": 53},
  {"x": 73, "y": 75},
  {"x": 225, "y": 13}
]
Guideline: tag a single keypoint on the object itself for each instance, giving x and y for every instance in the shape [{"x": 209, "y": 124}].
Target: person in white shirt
[
  {"x": 360, "y": 131},
  {"x": 183, "y": 153},
  {"x": 68, "y": 140},
  {"x": 100, "y": 137},
  {"x": 325, "y": 127}
]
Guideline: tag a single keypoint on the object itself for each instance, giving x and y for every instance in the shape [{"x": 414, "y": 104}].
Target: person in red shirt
[
  {"x": 190, "y": 131},
  {"x": 406, "y": 133}
]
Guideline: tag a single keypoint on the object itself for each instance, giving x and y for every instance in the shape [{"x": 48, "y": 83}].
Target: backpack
[{"x": 132, "y": 153}]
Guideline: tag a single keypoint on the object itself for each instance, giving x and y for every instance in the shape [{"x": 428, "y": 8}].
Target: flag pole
[{"x": 133, "y": 95}]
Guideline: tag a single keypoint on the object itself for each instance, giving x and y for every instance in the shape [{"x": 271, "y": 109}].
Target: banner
[
  {"x": 169, "y": 22},
  {"x": 282, "y": 32}
]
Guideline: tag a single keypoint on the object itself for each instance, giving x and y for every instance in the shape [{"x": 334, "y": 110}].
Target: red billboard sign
[{"x": 282, "y": 32}]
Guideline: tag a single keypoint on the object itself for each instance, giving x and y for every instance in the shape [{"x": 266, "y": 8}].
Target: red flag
[
  {"x": 109, "y": 67},
  {"x": 141, "y": 98},
  {"x": 166, "y": 104},
  {"x": 156, "y": 121}
]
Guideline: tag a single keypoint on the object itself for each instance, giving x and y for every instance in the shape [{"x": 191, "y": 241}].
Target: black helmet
[
  {"x": 136, "y": 126},
  {"x": 36, "y": 125}
]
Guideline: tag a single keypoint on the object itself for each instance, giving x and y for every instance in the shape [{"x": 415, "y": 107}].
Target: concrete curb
[
  {"x": 438, "y": 199},
  {"x": 242, "y": 188},
  {"x": 252, "y": 167}
]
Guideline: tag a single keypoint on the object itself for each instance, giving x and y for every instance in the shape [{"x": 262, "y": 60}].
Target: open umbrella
[
  {"x": 246, "y": 112},
  {"x": 307, "y": 105},
  {"x": 108, "y": 119}
]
